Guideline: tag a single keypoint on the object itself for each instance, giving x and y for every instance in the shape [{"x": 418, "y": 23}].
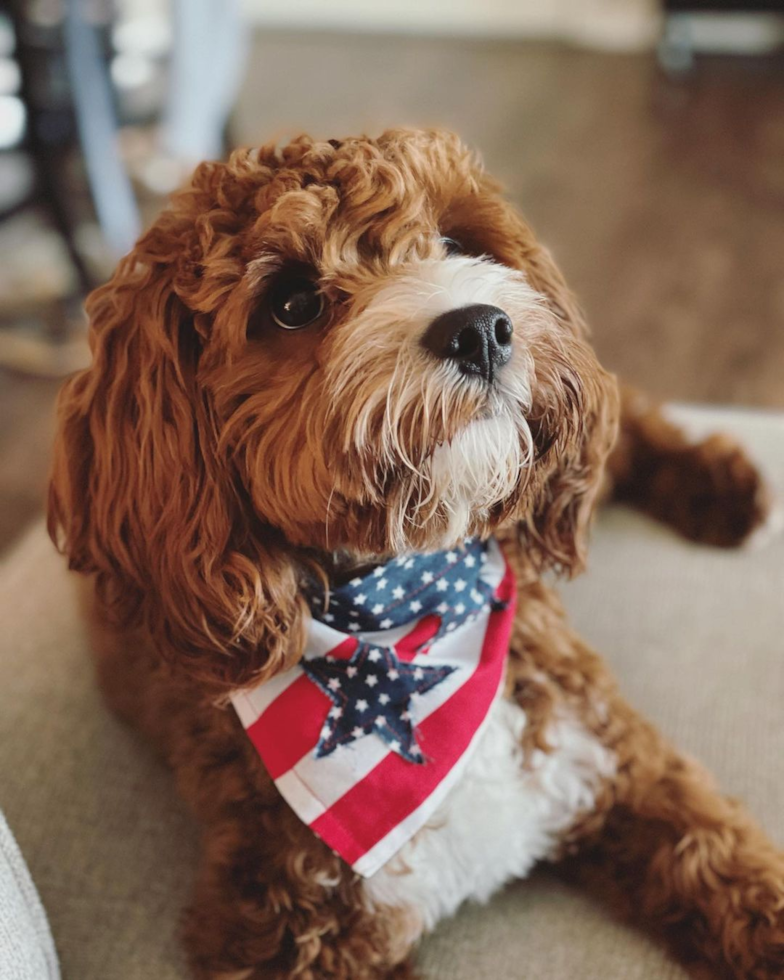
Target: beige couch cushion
[{"x": 696, "y": 637}]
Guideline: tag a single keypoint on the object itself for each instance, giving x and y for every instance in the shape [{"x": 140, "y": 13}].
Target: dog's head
[{"x": 354, "y": 347}]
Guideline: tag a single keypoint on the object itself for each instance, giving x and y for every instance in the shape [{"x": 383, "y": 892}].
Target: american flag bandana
[{"x": 368, "y": 733}]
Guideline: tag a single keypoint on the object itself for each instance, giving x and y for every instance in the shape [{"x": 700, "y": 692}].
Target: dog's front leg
[
  {"x": 689, "y": 862},
  {"x": 273, "y": 903}
]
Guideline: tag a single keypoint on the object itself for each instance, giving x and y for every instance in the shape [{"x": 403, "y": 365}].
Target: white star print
[
  {"x": 409, "y": 563},
  {"x": 385, "y": 624},
  {"x": 362, "y": 705},
  {"x": 394, "y": 745},
  {"x": 378, "y": 608},
  {"x": 354, "y": 627},
  {"x": 398, "y": 592},
  {"x": 371, "y": 680},
  {"x": 383, "y": 699},
  {"x": 351, "y": 671},
  {"x": 328, "y": 618},
  {"x": 378, "y": 572},
  {"x": 418, "y": 674},
  {"x": 460, "y": 585},
  {"x": 359, "y": 600},
  {"x": 427, "y": 577},
  {"x": 333, "y": 684},
  {"x": 358, "y": 732},
  {"x": 326, "y": 731},
  {"x": 470, "y": 561},
  {"x": 442, "y": 585},
  {"x": 382, "y": 583},
  {"x": 451, "y": 557},
  {"x": 393, "y": 674},
  {"x": 415, "y": 606},
  {"x": 335, "y": 712},
  {"x": 356, "y": 581},
  {"x": 381, "y": 720},
  {"x": 374, "y": 656},
  {"x": 460, "y": 609},
  {"x": 443, "y": 609}
]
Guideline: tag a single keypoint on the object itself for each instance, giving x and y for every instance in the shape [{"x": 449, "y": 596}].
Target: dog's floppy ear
[
  {"x": 140, "y": 496},
  {"x": 575, "y": 412},
  {"x": 574, "y": 423},
  {"x": 575, "y": 439}
]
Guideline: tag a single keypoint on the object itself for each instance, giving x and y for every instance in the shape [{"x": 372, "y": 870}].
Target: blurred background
[{"x": 643, "y": 139}]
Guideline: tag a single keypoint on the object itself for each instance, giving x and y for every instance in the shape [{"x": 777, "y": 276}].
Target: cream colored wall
[{"x": 618, "y": 24}]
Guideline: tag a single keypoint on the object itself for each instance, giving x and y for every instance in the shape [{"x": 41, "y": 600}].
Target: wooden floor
[{"x": 663, "y": 200}]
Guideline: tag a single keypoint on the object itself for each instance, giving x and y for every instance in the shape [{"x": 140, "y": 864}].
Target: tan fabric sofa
[{"x": 696, "y": 638}]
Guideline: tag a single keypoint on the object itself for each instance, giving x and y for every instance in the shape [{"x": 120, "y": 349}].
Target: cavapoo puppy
[{"x": 342, "y": 415}]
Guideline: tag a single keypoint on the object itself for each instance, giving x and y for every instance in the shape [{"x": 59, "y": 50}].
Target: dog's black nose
[{"x": 478, "y": 338}]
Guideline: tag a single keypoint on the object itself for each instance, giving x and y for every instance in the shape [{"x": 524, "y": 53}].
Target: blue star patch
[{"x": 371, "y": 693}]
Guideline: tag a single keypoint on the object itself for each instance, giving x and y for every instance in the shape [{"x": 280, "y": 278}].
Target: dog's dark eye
[
  {"x": 295, "y": 302},
  {"x": 452, "y": 246}
]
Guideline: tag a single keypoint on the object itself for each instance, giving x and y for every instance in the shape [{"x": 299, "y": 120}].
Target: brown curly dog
[{"x": 341, "y": 400}]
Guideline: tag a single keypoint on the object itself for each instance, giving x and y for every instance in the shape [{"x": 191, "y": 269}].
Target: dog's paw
[
  {"x": 763, "y": 959},
  {"x": 752, "y": 930},
  {"x": 713, "y": 494}
]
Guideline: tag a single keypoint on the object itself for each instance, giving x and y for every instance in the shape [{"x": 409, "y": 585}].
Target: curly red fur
[{"x": 205, "y": 469}]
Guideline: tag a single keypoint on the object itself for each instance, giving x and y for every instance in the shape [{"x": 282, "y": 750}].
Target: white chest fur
[{"x": 497, "y": 822}]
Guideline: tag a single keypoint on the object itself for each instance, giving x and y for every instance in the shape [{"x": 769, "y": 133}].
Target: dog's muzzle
[{"x": 477, "y": 338}]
